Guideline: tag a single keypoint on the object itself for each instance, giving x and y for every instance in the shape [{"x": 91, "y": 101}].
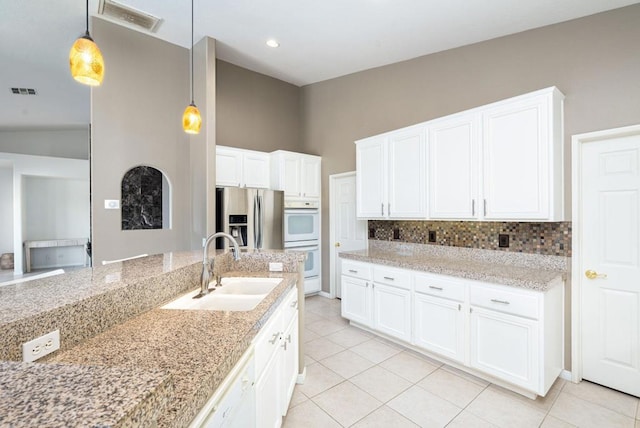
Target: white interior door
[
  {"x": 347, "y": 232},
  {"x": 609, "y": 276}
]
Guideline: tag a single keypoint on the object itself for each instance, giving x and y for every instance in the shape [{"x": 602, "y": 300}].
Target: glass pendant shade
[
  {"x": 191, "y": 119},
  {"x": 86, "y": 62}
]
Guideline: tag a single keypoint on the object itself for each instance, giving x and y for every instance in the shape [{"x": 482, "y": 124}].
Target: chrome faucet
[{"x": 207, "y": 265}]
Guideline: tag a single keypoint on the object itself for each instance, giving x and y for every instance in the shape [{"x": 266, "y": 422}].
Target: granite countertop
[
  {"x": 517, "y": 270},
  {"x": 157, "y": 368}
]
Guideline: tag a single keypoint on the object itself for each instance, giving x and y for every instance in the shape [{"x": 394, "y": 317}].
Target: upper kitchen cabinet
[
  {"x": 522, "y": 158},
  {"x": 390, "y": 175},
  {"x": 503, "y": 161},
  {"x": 242, "y": 168},
  {"x": 454, "y": 144},
  {"x": 297, "y": 174}
]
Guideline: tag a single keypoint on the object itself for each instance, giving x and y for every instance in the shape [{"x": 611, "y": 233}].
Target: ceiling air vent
[
  {"x": 23, "y": 91},
  {"x": 121, "y": 13}
]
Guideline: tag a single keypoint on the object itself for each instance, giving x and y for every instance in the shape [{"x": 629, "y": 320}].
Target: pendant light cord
[
  {"x": 191, "y": 51},
  {"x": 87, "y": 9}
]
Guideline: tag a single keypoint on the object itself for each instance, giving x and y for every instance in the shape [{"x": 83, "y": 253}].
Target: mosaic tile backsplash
[{"x": 536, "y": 238}]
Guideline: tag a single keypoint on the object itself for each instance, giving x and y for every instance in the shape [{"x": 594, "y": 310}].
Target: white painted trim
[
  {"x": 302, "y": 376},
  {"x": 577, "y": 142},
  {"x": 332, "y": 233},
  {"x": 566, "y": 375},
  {"x": 327, "y": 295}
]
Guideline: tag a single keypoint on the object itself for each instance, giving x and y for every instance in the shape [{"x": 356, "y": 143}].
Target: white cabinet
[
  {"x": 392, "y": 301},
  {"x": 357, "y": 299},
  {"x": 523, "y": 158},
  {"x": 505, "y": 346},
  {"x": 439, "y": 316},
  {"x": 276, "y": 361},
  {"x": 390, "y": 175},
  {"x": 502, "y": 161},
  {"x": 511, "y": 334},
  {"x": 454, "y": 144},
  {"x": 242, "y": 168},
  {"x": 297, "y": 174}
]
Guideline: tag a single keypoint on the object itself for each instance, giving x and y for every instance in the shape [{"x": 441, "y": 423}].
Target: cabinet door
[
  {"x": 289, "y": 351},
  {"x": 268, "y": 396},
  {"x": 439, "y": 326},
  {"x": 516, "y": 162},
  {"x": 453, "y": 167},
  {"x": 407, "y": 189},
  {"x": 392, "y": 311},
  {"x": 310, "y": 177},
  {"x": 228, "y": 167},
  {"x": 256, "y": 170},
  {"x": 290, "y": 175},
  {"x": 371, "y": 178},
  {"x": 505, "y": 346},
  {"x": 356, "y": 300}
]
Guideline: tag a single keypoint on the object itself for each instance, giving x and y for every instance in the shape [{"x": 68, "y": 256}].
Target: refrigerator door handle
[{"x": 257, "y": 221}]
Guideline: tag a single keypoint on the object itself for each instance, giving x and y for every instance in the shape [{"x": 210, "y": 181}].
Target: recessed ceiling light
[{"x": 272, "y": 43}]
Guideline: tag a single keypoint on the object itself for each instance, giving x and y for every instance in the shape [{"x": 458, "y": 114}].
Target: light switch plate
[{"x": 111, "y": 204}]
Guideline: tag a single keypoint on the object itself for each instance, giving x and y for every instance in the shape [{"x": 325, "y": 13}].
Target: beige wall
[
  {"x": 594, "y": 61},
  {"x": 62, "y": 142},
  {"x": 136, "y": 120},
  {"x": 255, "y": 111}
]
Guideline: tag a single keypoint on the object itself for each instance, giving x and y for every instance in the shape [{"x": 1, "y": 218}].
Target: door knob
[
  {"x": 592, "y": 274},
  {"x": 337, "y": 244}
]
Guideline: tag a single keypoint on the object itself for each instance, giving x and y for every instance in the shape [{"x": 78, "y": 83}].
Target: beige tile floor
[{"x": 355, "y": 379}]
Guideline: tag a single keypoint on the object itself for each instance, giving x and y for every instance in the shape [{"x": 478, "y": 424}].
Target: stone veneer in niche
[
  {"x": 142, "y": 198},
  {"x": 536, "y": 238}
]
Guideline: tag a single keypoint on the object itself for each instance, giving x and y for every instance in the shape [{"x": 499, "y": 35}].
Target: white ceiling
[{"x": 319, "y": 40}]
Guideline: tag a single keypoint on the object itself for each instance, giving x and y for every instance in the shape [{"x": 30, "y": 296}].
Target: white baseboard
[
  {"x": 302, "y": 376},
  {"x": 325, "y": 294},
  {"x": 566, "y": 375}
]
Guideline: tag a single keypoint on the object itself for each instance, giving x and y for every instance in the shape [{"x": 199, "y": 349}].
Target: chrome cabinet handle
[
  {"x": 435, "y": 288},
  {"x": 353, "y": 271},
  {"x": 504, "y": 302},
  {"x": 473, "y": 207},
  {"x": 459, "y": 306},
  {"x": 389, "y": 209},
  {"x": 288, "y": 339},
  {"x": 485, "y": 207},
  {"x": 389, "y": 278},
  {"x": 382, "y": 208},
  {"x": 294, "y": 303},
  {"x": 274, "y": 338}
]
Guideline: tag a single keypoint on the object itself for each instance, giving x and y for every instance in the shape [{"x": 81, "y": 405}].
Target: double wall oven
[{"x": 302, "y": 233}]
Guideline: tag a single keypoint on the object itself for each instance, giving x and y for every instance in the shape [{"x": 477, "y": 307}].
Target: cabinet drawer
[
  {"x": 397, "y": 277},
  {"x": 356, "y": 269},
  {"x": 267, "y": 341},
  {"x": 516, "y": 302},
  {"x": 439, "y": 286}
]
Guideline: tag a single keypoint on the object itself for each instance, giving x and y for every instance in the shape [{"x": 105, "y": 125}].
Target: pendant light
[
  {"x": 191, "y": 120},
  {"x": 85, "y": 59}
]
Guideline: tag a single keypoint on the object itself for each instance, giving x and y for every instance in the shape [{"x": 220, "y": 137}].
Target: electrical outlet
[
  {"x": 40, "y": 346},
  {"x": 275, "y": 267},
  {"x": 432, "y": 236},
  {"x": 503, "y": 241}
]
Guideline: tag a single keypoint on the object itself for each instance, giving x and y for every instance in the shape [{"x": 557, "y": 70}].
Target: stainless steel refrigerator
[{"x": 254, "y": 217}]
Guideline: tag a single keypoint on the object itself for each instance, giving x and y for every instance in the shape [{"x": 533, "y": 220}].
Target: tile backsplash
[{"x": 536, "y": 238}]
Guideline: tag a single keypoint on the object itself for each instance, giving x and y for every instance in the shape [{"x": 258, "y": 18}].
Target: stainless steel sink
[{"x": 235, "y": 294}]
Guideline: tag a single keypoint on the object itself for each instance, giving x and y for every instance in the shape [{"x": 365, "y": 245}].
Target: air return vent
[
  {"x": 121, "y": 13},
  {"x": 23, "y": 91}
]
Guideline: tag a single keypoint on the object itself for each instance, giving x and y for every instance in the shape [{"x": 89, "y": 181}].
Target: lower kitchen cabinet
[
  {"x": 511, "y": 335},
  {"x": 278, "y": 343},
  {"x": 439, "y": 326},
  {"x": 392, "y": 311},
  {"x": 357, "y": 304},
  {"x": 504, "y": 346}
]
